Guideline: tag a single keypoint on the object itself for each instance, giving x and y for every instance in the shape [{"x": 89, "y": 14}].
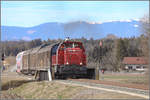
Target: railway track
[{"x": 110, "y": 88}]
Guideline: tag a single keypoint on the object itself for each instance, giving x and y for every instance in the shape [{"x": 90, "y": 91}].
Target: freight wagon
[{"x": 66, "y": 59}]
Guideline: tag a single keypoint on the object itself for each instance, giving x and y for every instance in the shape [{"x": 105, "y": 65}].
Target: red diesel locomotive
[
  {"x": 64, "y": 59},
  {"x": 68, "y": 53}
]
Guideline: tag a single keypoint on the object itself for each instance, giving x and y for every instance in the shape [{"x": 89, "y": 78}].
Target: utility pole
[
  {"x": 100, "y": 68},
  {"x": 101, "y": 50},
  {"x": 1, "y": 56}
]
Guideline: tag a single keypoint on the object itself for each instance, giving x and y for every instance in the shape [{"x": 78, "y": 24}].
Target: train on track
[{"x": 66, "y": 59}]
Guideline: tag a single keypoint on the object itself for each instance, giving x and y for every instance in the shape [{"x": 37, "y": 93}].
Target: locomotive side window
[
  {"x": 62, "y": 47},
  {"x": 54, "y": 49}
]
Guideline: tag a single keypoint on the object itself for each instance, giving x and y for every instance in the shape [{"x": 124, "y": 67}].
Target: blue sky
[{"x": 31, "y": 13}]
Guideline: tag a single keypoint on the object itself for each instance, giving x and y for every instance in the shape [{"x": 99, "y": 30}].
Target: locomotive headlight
[
  {"x": 80, "y": 63},
  {"x": 67, "y": 63}
]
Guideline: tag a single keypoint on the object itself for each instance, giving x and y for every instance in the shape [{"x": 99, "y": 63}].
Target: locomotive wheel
[
  {"x": 56, "y": 77},
  {"x": 74, "y": 76}
]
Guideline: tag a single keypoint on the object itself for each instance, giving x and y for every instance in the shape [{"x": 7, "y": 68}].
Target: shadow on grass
[{"x": 14, "y": 84}]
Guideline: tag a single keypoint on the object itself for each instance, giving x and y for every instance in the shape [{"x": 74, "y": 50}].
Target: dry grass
[
  {"x": 45, "y": 90},
  {"x": 98, "y": 94},
  {"x": 55, "y": 90},
  {"x": 126, "y": 78},
  {"x": 15, "y": 86},
  {"x": 11, "y": 60},
  {"x": 10, "y": 76}
]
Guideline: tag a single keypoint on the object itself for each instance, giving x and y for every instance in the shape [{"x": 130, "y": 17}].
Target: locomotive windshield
[{"x": 72, "y": 45}]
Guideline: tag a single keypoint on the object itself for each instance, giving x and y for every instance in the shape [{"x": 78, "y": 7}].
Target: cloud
[
  {"x": 31, "y": 31},
  {"x": 121, "y": 20},
  {"x": 136, "y": 25},
  {"x": 26, "y": 38},
  {"x": 137, "y": 19},
  {"x": 110, "y": 21},
  {"x": 91, "y": 22},
  {"x": 128, "y": 20},
  {"x": 94, "y": 22}
]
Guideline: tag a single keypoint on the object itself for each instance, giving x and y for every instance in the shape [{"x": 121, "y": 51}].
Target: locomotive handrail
[{"x": 57, "y": 52}]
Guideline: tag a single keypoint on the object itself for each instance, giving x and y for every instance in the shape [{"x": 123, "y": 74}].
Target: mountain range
[{"x": 78, "y": 29}]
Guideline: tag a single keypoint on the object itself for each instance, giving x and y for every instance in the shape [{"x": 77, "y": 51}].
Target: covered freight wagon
[{"x": 36, "y": 59}]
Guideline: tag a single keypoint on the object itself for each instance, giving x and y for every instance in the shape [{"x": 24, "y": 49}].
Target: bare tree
[{"x": 146, "y": 38}]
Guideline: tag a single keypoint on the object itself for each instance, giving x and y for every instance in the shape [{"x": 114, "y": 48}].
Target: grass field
[
  {"x": 54, "y": 90},
  {"x": 126, "y": 78},
  {"x": 14, "y": 87}
]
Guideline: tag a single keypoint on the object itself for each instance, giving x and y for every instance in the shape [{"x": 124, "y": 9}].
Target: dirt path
[
  {"x": 109, "y": 88},
  {"x": 136, "y": 86}
]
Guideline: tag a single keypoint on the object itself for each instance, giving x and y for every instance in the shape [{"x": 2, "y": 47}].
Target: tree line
[{"x": 109, "y": 55}]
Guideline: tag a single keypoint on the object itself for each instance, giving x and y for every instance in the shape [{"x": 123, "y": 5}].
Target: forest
[{"x": 105, "y": 53}]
